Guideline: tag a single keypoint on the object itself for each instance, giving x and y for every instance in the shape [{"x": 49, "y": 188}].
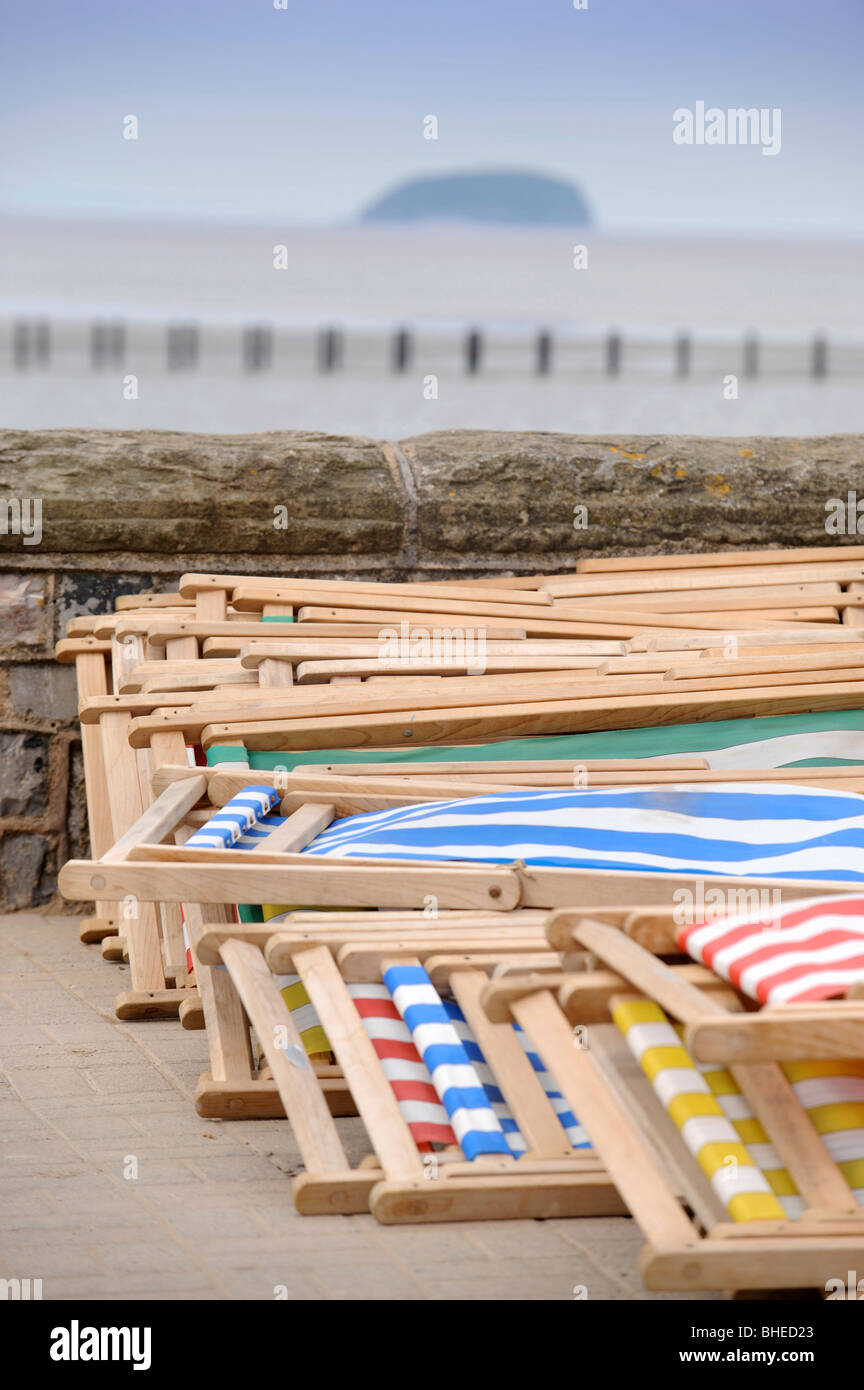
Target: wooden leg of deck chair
[
  {"x": 376, "y": 1102},
  {"x": 173, "y": 945},
  {"x": 171, "y": 748},
  {"x": 274, "y": 672},
  {"x": 222, "y": 1091},
  {"x": 150, "y": 996},
  {"x": 92, "y": 679},
  {"x": 169, "y": 915},
  {"x": 209, "y": 606},
  {"x": 304, "y": 1103}
]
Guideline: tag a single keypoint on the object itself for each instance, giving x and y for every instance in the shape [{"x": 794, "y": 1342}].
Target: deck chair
[
  {"x": 456, "y": 711},
  {"x": 570, "y": 616},
  {"x": 496, "y": 872},
  {"x": 487, "y": 939},
  {"x": 152, "y": 933},
  {"x": 462, "y": 1120},
  {"x": 769, "y": 1159}
]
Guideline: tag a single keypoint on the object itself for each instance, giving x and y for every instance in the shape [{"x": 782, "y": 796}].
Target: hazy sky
[{"x": 249, "y": 113}]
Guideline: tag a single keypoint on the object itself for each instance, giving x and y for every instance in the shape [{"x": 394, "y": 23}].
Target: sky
[{"x": 303, "y": 114}]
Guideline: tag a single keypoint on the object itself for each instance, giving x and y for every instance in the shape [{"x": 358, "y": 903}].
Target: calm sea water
[{"x": 440, "y": 281}]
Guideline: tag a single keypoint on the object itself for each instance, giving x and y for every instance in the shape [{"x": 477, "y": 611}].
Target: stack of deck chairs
[{"x": 556, "y": 881}]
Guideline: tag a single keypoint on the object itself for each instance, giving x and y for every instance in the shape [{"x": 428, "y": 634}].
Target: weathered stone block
[
  {"x": 46, "y": 691},
  {"x": 160, "y": 492},
  {"x": 517, "y": 494},
  {"x": 29, "y": 870},
  {"x": 25, "y": 615},
  {"x": 23, "y": 774}
]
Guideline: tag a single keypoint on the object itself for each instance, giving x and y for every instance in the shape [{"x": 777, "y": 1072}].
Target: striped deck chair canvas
[
  {"x": 481, "y": 1119},
  {"x": 812, "y": 949},
  {"x": 752, "y": 830}
]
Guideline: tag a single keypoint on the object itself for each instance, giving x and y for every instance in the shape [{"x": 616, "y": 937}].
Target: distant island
[{"x": 507, "y": 197}]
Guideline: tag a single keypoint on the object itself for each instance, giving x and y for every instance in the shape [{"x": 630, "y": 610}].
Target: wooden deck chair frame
[
  {"x": 91, "y": 659},
  {"x": 152, "y": 933},
  {"x": 381, "y": 717},
  {"x": 396, "y": 1185},
  {"x": 705, "y": 1250},
  {"x": 560, "y": 617},
  {"x": 728, "y": 560}
]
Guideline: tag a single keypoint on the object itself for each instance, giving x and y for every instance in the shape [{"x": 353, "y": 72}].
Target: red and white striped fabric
[
  {"x": 403, "y": 1066},
  {"x": 810, "y": 949}
]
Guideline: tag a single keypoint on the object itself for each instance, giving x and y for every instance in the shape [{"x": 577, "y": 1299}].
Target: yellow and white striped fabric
[
  {"x": 721, "y": 1131},
  {"x": 832, "y": 1093},
  {"x": 712, "y": 1136},
  {"x": 293, "y": 991},
  {"x": 751, "y": 1133}
]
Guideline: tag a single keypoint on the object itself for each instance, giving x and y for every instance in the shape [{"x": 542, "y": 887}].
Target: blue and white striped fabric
[
  {"x": 494, "y": 1094},
  {"x": 454, "y": 1076},
  {"x": 572, "y": 1128},
  {"x": 752, "y": 829},
  {"x": 241, "y": 816}
]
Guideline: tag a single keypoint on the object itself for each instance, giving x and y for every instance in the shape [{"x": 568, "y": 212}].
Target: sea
[{"x": 242, "y": 328}]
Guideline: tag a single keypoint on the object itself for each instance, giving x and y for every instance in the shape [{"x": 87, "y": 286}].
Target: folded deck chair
[
  {"x": 803, "y": 953},
  {"x": 779, "y": 831},
  {"x": 769, "y": 741},
  {"x": 769, "y": 1160},
  {"x": 463, "y": 1120},
  {"x": 532, "y": 849}
]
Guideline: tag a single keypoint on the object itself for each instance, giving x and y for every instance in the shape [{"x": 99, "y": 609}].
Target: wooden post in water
[
  {"x": 613, "y": 354},
  {"x": 544, "y": 352}
]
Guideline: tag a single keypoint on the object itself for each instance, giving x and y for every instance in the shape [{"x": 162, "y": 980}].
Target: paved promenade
[{"x": 111, "y": 1186}]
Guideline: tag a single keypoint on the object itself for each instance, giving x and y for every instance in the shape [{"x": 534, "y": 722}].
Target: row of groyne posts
[{"x": 107, "y": 346}]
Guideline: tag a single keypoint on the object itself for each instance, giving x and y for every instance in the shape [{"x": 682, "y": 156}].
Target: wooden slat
[{"x": 723, "y": 558}]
